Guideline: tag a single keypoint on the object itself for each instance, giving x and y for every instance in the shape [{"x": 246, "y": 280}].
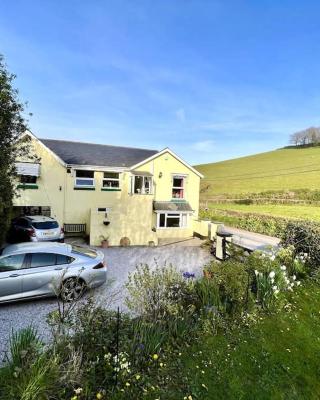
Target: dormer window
[
  {"x": 84, "y": 179},
  {"x": 178, "y": 187}
]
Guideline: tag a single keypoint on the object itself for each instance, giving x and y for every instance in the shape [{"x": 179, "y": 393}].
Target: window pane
[
  {"x": 45, "y": 225},
  {"x": 28, "y": 179},
  {"x": 84, "y": 174},
  {"x": 177, "y": 182},
  {"x": 11, "y": 263},
  {"x": 162, "y": 220},
  {"x": 42, "y": 259},
  {"x": 177, "y": 193},
  {"x": 110, "y": 184},
  {"x": 173, "y": 222},
  {"x": 138, "y": 182},
  {"x": 62, "y": 259},
  {"x": 113, "y": 175},
  {"x": 84, "y": 182}
]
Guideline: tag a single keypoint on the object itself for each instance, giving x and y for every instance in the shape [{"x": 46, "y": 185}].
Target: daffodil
[
  {"x": 155, "y": 357},
  {"x": 99, "y": 396},
  {"x": 127, "y": 384},
  {"x": 138, "y": 377}
]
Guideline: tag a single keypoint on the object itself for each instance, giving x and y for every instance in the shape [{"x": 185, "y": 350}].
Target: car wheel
[{"x": 72, "y": 289}]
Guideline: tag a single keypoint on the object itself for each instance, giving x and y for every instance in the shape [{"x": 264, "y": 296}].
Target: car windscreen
[
  {"x": 45, "y": 225},
  {"x": 84, "y": 251}
]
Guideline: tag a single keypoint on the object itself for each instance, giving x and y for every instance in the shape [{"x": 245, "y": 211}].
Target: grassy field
[
  {"x": 283, "y": 169},
  {"x": 307, "y": 212},
  {"x": 278, "y": 358}
]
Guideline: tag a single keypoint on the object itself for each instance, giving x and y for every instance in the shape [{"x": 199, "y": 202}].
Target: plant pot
[{"x": 104, "y": 244}]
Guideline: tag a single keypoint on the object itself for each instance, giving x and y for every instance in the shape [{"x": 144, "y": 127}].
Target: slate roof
[
  {"x": 171, "y": 206},
  {"x": 80, "y": 153}
]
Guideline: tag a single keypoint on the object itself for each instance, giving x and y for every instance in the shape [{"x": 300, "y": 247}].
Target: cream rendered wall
[
  {"x": 168, "y": 165},
  {"x": 52, "y": 177}
]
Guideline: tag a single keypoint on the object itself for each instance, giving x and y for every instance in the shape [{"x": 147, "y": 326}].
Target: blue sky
[{"x": 212, "y": 80}]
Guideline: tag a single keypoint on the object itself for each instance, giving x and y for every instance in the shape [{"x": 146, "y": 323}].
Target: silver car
[
  {"x": 30, "y": 270},
  {"x": 35, "y": 228}
]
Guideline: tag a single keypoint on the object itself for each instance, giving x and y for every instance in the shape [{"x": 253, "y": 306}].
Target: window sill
[
  {"x": 177, "y": 227},
  {"x": 110, "y": 190},
  {"x": 83, "y": 188},
  {"x": 142, "y": 194},
  {"x": 27, "y": 186},
  {"x": 181, "y": 200}
]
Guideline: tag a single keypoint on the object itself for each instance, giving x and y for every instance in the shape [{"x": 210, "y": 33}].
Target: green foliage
[
  {"x": 265, "y": 224},
  {"x": 305, "y": 238},
  {"x": 158, "y": 293},
  {"x": 31, "y": 372},
  {"x": 234, "y": 282},
  {"x": 12, "y": 125}
]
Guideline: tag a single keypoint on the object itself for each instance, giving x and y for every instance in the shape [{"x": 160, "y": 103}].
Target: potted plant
[{"x": 104, "y": 241}]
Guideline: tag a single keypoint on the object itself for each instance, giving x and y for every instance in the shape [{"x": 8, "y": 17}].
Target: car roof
[
  {"x": 41, "y": 247},
  {"x": 38, "y": 218}
]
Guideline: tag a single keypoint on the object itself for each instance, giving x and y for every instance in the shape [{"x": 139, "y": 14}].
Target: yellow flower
[
  {"x": 161, "y": 364},
  {"x": 99, "y": 396},
  {"x": 127, "y": 384},
  {"x": 155, "y": 357},
  {"x": 74, "y": 398},
  {"x": 190, "y": 397},
  {"x": 138, "y": 377}
]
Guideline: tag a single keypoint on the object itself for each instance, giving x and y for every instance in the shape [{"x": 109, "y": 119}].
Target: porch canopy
[{"x": 178, "y": 206}]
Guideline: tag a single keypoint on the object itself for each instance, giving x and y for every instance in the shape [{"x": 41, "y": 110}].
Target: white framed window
[
  {"x": 111, "y": 180},
  {"x": 141, "y": 184},
  {"x": 84, "y": 179},
  {"x": 178, "y": 187},
  {"x": 172, "y": 220}
]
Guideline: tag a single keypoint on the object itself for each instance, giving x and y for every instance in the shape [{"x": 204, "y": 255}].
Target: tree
[{"x": 12, "y": 126}]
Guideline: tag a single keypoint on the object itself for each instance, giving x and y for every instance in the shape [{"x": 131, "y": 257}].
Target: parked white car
[
  {"x": 35, "y": 228},
  {"x": 30, "y": 270}
]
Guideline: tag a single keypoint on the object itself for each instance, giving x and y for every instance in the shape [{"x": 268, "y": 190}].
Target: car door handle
[
  {"x": 58, "y": 268},
  {"x": 13, "y": 275}
]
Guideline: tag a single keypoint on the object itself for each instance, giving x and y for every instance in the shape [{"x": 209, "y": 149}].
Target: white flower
[
  {"x": 273, "y": 257},
  {"x": 292, "y": 284},
  {"x": 272, "y": 274},
  {"x": 294, "y": 277},
  {"x": 256, "y": 272},
  {"x": 276, "y": 291},
  {"x": 275, "y": 287},
  {"x": 298, "y": 283},
  {"x": 272, "y": 280},
  {"x": 283, "y": 267}
]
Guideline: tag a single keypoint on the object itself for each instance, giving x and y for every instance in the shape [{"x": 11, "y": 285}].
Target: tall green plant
[{"x": 12, "y": 126}]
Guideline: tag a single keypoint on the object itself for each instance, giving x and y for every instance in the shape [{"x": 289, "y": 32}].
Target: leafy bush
[
  {"x": 268, "y": 225},
  {"x": 31, "y": 372},
  {"x": 159, "y": 293},
  {"x": 305, "y": 238},
  {"x": 234, "y": 282}
]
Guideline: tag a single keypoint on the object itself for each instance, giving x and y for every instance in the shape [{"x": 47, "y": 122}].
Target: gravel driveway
[{"x": 120, "y": 261}]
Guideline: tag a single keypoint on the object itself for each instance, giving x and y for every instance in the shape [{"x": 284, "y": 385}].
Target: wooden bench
[{"x": 74, "y": 229}]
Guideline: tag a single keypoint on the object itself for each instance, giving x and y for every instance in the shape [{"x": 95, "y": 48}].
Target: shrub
[
  {"x": 268, "y": 225},
  {"x": 159, "y": 293},
  {"x": 234, "y": 282},
  {"x": 305, "y": 238}
]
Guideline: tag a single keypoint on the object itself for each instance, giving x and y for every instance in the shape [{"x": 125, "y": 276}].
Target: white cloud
[{"x": 205, "y": 146}]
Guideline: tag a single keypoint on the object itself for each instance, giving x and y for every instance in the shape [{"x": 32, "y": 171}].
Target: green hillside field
[
  {"x": 276, "y": 174},
  {"x": 283, "y": 169}
]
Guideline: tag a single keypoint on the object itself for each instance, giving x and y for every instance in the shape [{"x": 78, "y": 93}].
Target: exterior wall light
[{"x": 160, "y": 174}]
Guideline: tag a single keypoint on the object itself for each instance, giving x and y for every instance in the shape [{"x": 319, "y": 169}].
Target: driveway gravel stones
[{"x": 186, "y": 257}]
